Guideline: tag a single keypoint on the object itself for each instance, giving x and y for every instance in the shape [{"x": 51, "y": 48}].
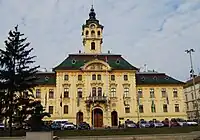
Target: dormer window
[{"x": 92, "y": 46}]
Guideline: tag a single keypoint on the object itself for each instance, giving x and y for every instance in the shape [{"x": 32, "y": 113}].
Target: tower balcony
[{"x": 93, "y": 99}]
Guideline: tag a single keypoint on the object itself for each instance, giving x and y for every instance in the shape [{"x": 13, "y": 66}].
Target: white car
[
  {"x": 2, "y": 127},
  {"x": 158, "y": 124},
  {"x": 68, "y": 126},
  {"x": 181, "y": 122},
  {"x": 191, "y": 123}
]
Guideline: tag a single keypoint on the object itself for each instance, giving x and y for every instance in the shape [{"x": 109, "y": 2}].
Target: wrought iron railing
[{"x": 97, "y": 98}]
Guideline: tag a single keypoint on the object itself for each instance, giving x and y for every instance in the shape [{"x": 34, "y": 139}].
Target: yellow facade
[{"x": 103, "y": 88}]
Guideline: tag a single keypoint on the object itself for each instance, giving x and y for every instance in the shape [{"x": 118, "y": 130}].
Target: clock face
[{"x": 92, "y": 26}]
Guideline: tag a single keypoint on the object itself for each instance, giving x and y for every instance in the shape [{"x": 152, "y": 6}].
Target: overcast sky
[{"x": 152, "y": 32}]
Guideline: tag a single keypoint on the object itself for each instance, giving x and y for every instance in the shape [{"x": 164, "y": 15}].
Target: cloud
[{"x": 144, "y": 32}]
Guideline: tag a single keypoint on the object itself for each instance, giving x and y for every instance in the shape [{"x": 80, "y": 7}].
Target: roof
[
  {"x": 155, "y": 78},
  {"x": 46, "y": 78},
  {"x": 190, "y": 82},
  {"x": 92, "y": 19},
  {"x": 76, "y": 61}
]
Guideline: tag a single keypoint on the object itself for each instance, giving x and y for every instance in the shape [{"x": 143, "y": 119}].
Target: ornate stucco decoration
[
  {"x": 113, "y": 84},
  {"x": 126, "y": 85},
  {"x": 96, "y": 65},
  {"x": 80, "y": 84},
  {"x": 96, "y": 83},
  {"x": 66, "y": 85}
]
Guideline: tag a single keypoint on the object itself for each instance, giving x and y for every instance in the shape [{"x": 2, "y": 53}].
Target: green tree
[
  {"x": 17, "y": 72},
  {"x": 35, "y": 120}
]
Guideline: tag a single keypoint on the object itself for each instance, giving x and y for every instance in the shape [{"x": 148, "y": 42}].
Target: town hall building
[{"x": 104, "y": 88}]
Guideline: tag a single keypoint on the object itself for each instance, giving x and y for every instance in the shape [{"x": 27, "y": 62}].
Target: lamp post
[{"x": 190, "y": 51}]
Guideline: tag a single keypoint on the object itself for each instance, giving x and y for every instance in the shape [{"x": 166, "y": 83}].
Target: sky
[{"x": 151, "y": 32}]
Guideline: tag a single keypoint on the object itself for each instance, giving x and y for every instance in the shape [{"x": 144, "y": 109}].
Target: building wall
[
  {"x": 117, "y": 103},
  {"x": 146, "y": 101},
  {"x": 190, "y": 99}
]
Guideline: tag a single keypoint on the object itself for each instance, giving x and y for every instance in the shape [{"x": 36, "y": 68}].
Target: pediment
[{"x": 96, "y": 65}]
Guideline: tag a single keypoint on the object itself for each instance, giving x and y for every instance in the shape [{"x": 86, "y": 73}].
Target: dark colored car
[
  {"x": 166, "y": 122},
  {"x": 83, "y": 126},
  {"x": 174, "y": 123}
]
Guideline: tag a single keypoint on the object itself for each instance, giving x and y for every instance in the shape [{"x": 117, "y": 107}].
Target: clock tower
[{"x": 92, "y": 34}]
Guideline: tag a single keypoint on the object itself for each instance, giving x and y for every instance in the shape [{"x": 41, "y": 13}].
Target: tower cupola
[{"x": 92, "y": 32}]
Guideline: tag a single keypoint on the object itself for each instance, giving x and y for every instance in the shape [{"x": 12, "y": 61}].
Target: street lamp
[{"x": 193, "y": 81}]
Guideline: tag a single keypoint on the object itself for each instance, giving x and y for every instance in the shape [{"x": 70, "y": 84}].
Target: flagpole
[
  {"x": 61, "y": 106},
  {"x": 138, "y": 105},
  {"x": 93, "y": 111}
]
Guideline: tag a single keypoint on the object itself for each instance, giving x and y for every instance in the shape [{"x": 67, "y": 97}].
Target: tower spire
[{"x": 92, "y": 14}]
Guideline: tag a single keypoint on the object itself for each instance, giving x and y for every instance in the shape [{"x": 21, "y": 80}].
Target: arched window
[
  {"x": 66, "y": 93},
  {"x": 99, "y": 33},
  {"x": 98, "y": 77},
  {"x": 126, "y": 92},
  {"x": 92, "y": 46},
  {"x": 99, "y": 91},
  {"x": 113, "y": 92},
  {"x": 93, "y": 91},
  {"x": 94, "y": 77},
  {"x": 80, "y": 93},
  {"x": 86, "y": 33},
  {"x": 93, "y": 33}
]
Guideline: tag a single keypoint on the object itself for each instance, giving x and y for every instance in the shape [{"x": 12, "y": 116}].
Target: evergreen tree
[
  {"x": 17, "y": 73},
  {"x": 38, "y": 114}
]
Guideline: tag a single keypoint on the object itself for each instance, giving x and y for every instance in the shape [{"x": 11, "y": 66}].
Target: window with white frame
[
  {"x": 140, "y": 95},
  {"x": 152, "y": 95},
  {"x": 113, "y": 92},
  {"x": 80, "y": 92},
  {"x": 66, "y": 92},
  {"x": 163, "y": 91},
  {"x": 175, "y": 92},
  {"x": 99, "y": 91},
  {"x": 126, "y": 92}
]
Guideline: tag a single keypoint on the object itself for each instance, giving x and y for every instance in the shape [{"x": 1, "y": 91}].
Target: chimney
[{"x": 108, "y": 52}]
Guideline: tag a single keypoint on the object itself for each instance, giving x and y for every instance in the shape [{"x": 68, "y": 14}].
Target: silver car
[{"x": 143, "y": 124}]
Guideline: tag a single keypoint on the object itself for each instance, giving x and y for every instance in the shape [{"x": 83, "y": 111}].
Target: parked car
[
  {"x": 68, "y": 126},
  {"x": 83, "y": 126},
  {"x": 181, "y": 122},
  {"x": 166, "y": 122},
  {"x": 2, "y": 127},
  {"x": 129, "y": 124},
  {"x": 191, "y": 123},
  {"x": 56, "y": 126},
  {"x": 143, "y": 124},
  {"x": 156, "y": 123},
  {"x": 60, "y": 121},
  {"x": 174, "y": 123}
]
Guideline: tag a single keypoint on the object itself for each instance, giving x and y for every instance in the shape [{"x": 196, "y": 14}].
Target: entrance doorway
[
  {"x": 79, "y": 117},
  {"x": 114, "y": 118},
  {"x": 97, "y": 114}
]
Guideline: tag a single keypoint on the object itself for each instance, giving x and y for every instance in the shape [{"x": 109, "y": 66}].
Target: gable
[{"x": 96, "y": 65}]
